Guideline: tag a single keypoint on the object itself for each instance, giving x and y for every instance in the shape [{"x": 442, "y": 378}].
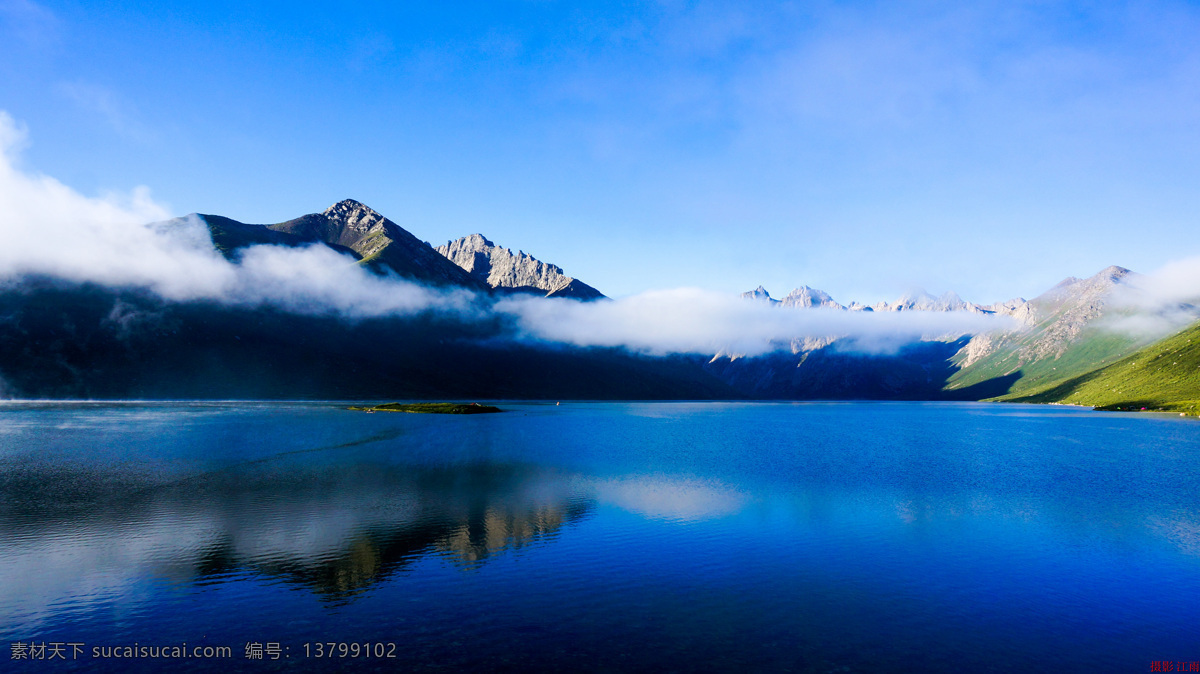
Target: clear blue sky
[{"x": 862, "y": 148}]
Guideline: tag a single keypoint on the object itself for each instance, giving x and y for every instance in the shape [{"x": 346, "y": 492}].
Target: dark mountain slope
[
  {"x": 915, "y": 372},
  {"x": 229, "y": 236},
  {"x": 60, "y": 340}
]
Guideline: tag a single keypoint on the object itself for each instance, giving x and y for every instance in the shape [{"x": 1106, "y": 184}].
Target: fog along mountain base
[{"x": 60, "y": 339}]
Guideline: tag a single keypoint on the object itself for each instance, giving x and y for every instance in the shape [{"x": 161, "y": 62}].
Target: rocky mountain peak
[
  {"x": 1095, "y": 287},
  {"x": 920, "y": 300},
  {"x": 474, "y": 243},
  {"x": 354, "y": 215},
  {"x": 759, "y": 293},
  {"x": 1113, "y": 272},
  {"x": 807, "y": 297}
]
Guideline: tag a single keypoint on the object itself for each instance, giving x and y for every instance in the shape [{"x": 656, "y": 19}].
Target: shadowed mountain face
[
  {"x": 65, "y": 341},
  {"x": 502, "y": 269},
  {"x": 915, "y": 372},
  {"x": 60, "y": 340}
]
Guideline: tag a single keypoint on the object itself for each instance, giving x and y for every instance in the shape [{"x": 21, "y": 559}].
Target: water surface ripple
[{"x": 812, "y": 537}]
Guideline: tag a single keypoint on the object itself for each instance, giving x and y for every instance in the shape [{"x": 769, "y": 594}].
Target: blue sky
[{"x": 862, "y": 148}]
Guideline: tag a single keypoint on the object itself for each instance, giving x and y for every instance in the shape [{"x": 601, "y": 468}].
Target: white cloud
[
  {"x": 690, "y": 320},
  {"x": 316, "y": 279},
  {"x": 1158, "y": 303},
  {"x": 1174, "y": 283}
]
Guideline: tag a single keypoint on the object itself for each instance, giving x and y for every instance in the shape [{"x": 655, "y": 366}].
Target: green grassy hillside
[
  {"x": 1093, "y": 349},
  {"x": 1163, "y": 376}
]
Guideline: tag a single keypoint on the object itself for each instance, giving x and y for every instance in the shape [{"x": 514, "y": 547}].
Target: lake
[{"x": 806, "y": 537}]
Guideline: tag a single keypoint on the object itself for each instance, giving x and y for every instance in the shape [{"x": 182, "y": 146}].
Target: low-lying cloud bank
[
  {"x": 47, "y": 228},
  {"x": 689, "y": 320},
  {"x": 1159, "y": 303}
]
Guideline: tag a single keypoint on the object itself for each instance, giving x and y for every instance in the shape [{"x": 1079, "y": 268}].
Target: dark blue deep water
[{"x": 658, "y": 537}]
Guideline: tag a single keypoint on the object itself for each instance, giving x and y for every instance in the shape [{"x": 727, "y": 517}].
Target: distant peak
[
  {"x": 347, "y": 207},
  {"x": 1113, "y": 272},
  {"x": 807, "y": 291},
  {"x": 759, "y": 293}
]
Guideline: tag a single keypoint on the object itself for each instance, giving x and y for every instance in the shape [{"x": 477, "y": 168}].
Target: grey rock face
[{"x": 502, "y": 268}]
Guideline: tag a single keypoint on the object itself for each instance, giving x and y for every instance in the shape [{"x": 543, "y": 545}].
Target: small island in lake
[{"x": 431, "y": 408}]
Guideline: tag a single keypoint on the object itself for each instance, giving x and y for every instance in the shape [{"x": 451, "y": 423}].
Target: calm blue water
[{"x": 818, "y": 537}]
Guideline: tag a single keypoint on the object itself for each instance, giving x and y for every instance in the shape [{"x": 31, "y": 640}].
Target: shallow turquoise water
[{"x": 817, "y": 537}]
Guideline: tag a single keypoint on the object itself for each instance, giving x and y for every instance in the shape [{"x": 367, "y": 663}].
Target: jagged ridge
[{"x": 501, "y": 268}]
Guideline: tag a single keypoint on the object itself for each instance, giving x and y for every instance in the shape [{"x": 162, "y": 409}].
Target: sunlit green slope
[{"x": 1162, "y": 376}]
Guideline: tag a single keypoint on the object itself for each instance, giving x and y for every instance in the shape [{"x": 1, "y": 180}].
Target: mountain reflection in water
[{"x": 336, "y": 530}]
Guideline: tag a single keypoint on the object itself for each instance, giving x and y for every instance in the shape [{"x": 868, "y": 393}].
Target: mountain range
[
  {"x": 69, "y": 340},
  {"x": 1066, "y": 334}
]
